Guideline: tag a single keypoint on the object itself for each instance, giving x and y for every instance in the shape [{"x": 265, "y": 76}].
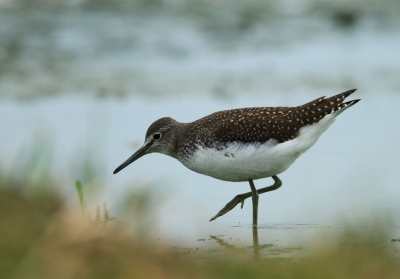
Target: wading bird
[{"x": 244, "y": 144}]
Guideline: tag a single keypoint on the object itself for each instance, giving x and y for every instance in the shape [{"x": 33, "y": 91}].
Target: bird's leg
[
  {"x": 254, "y": 194},
  {"x": 240, "y": 198}
]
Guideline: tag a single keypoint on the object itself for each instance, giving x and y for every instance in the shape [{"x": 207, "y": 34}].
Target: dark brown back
[{"x": 260, "y": 124}]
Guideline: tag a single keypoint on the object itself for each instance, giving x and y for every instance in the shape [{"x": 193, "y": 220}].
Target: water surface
[{"x": 103, "y": 99}]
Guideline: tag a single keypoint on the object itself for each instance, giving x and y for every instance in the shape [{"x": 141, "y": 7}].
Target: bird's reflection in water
[
  {"x": 256, "y": 246},
  {"x": 257, "y": 250},
  {"x": 222, "y": 242}
]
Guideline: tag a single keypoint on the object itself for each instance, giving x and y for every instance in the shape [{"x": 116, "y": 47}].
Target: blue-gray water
[{"x": 96, "y": 81}]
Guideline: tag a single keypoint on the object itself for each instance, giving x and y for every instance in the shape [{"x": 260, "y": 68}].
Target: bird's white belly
[{"x": 241, "y": 162}]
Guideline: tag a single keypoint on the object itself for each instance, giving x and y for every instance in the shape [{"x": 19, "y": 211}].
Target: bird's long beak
[{"x": 142, "y": 151}]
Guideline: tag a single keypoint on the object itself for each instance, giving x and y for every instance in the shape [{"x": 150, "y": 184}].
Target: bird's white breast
[{"x": 241, "y": 162}]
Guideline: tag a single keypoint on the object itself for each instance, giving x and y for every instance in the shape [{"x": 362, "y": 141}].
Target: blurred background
[{"x": 81, "y": 80}]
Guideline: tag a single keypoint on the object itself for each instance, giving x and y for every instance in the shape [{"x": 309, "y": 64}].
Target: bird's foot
[{"x": 230, "y": 205}]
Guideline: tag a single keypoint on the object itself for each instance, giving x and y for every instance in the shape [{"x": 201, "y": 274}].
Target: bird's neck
[{"x": 176, "y": 140}]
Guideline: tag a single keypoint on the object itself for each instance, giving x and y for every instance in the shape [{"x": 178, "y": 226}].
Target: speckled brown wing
[
  {"x": 312, "y": 112},
  {"x": 261, "y": 124}
]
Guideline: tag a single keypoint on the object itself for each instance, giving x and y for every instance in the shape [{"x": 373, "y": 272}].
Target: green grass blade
[{"x": 79, "y": 188}]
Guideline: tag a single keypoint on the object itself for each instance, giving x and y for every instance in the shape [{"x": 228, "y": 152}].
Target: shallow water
[{"x": 351, "y": 172}]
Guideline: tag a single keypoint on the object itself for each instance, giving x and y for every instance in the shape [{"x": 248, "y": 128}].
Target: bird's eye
[{"x": 156, "y": 136}]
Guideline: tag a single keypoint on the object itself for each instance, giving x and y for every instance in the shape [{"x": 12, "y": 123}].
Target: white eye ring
[{"x": 157, "y": 136}]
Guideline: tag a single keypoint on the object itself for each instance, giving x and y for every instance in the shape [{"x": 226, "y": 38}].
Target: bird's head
[{"x": 160, "y": 138}]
